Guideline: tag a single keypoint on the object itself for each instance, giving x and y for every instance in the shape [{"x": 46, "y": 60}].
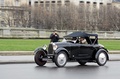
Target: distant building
[
  {"x": 13, "y": 2},
  {"x": 116, "y": 0},
  {"x": 11, "y": 9},
  {"x": 116, "y": 3},
  {"x": 47, "y": 3},
  {"x": 8, "y": 5},
  {"x": 1, "y": 2}
]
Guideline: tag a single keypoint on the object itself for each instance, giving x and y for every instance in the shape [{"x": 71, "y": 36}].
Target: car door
[
  {"x": 75, "y": 49},
  {"x": 85, "y": 51}
]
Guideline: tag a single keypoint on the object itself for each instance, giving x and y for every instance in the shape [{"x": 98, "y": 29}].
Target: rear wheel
[
  {"x": 38, "y": 58},
  {"x": 61, "y": 59},
  {"x": 101, "y": 58}
]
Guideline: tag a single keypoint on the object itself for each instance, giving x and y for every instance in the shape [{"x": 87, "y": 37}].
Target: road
[
  {"x": 30, "y": 59},
  {"x": 72, "y": 70}
]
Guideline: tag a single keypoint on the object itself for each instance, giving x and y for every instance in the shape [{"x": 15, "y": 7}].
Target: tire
[
  {"x": 101, "y": 58},
  {"x": 38, "y": 58},
  {"x": 60, "y": 59},
  {"x": 81, "y": 62}
]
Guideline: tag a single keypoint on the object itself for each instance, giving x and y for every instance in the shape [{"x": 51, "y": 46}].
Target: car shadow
[{"x": 52, "y": 66}]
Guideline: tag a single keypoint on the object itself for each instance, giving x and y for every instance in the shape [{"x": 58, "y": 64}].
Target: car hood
[{"x": 59, "y": 44}]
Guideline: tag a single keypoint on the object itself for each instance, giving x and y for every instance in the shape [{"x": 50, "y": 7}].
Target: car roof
[{"x": 80, "y": 34}]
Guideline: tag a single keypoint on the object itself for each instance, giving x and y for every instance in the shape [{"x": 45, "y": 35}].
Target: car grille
[{"x": 50, "y": 49}]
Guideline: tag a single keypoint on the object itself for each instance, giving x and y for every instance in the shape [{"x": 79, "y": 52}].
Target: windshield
[
  {"x": 69, "y": 39},
  {"x": 76, "y": 40}
]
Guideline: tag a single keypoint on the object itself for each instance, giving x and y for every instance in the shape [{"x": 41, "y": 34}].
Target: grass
[
  {"x": 31, "y": 44},
  {"x": 111, "y": 44},
  {"x": 21, "y": 44}
]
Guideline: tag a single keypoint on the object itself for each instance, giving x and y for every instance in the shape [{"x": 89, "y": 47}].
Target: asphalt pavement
[
  {"x": 5, "y": 59},
  {"x": 72, "y": 70}
]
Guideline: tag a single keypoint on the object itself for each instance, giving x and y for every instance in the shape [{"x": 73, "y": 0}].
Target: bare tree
[
  {"x": 65, "y": 17},
  {"x": 82, "y": 17},
  {"x": 114, "y": 18}
]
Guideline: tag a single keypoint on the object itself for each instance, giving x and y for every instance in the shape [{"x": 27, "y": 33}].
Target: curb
[
  {"x": 114, "y": 52},
  {"x": 17, "y": 62},
  {"x": 13, "y": 53}
]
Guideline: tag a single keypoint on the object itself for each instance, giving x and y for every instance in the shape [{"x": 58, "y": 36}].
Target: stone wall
[{"x": 45, "y": 33}]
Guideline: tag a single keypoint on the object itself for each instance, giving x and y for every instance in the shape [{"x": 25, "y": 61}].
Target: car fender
[
  {"x": 100, "y": 51},
  {"x": 40, "y": 49},
  {"x": 62, "y": 49}
]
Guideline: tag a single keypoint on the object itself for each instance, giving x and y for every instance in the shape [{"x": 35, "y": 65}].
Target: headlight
[
  {"x": 54, "y": 46},
  {"x": 44, "y": 47}
]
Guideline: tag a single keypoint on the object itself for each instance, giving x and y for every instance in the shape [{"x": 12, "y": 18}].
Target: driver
[{"x": 82, "y": 40}]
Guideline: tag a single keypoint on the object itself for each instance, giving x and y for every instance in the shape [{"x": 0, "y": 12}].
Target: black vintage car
[{"x": 71, "y": 49}]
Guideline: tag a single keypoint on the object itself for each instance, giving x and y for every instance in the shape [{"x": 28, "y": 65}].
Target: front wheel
[
  {"x": 101, "y": 58},
  {"x": 38, "y": 58},
  {"x": 60, "y": 59}
]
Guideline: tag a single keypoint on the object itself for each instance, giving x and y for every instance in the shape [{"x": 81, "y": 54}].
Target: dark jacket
[{"x": 54, "y": 37}]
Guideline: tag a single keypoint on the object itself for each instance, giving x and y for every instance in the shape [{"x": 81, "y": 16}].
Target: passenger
[
  {"x": 75, "y": 40},
  {"x": 82, "y": 40}
]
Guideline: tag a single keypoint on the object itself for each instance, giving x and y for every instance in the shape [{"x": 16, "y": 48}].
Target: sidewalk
[
  {"x": 17, "y": 59},
  {"x": 30, "y": 59}
]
